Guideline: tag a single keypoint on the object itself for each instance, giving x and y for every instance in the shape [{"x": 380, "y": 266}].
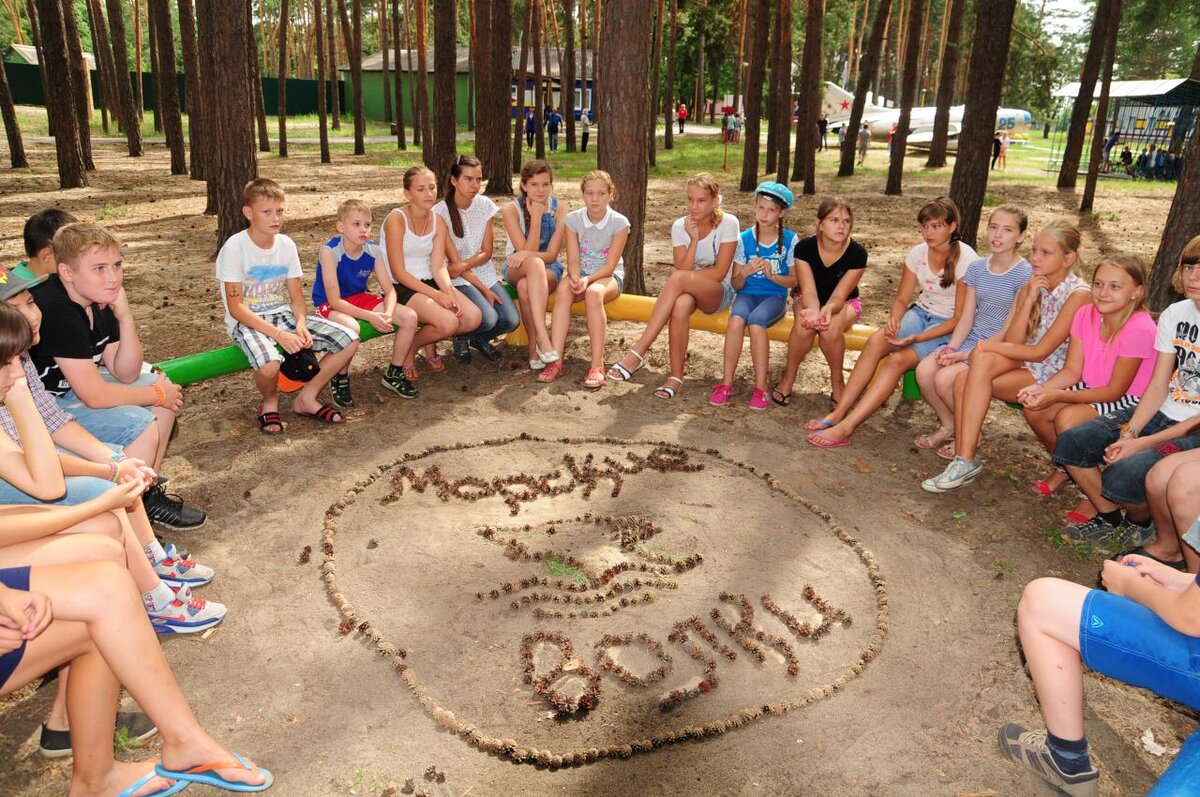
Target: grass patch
[
  {"x": 673, "y": 558},
  {"x": 123, "y": 741},
  {"x": 112, "y": 212},
  {"x": 1077, "y": 551},
  {"x": 561, "y": 569}
]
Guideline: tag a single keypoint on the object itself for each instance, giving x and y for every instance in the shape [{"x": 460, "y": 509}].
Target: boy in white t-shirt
[{"x": 259, "y": 271}]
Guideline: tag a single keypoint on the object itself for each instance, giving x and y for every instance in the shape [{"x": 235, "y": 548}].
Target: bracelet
[
  {"x": 112, "y": 476},
  {"x": 160, "y": 394},
  {"x": 119, "y": 457}
]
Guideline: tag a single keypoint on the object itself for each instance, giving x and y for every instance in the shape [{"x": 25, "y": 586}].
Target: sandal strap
[
  {"x": 327, "y": 413},
  {"x": 270, "y": 418}
]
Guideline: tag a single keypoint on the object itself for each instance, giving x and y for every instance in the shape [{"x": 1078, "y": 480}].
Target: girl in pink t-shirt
[{"x": 1109, "y": 360}]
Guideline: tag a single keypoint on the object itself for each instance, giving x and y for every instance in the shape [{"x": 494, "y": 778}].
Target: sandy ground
[{"x": 329, "y": 715}]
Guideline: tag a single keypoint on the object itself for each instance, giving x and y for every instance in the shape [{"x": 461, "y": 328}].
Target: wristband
[
  {"x": 112, "y": 476},
  {"x": 160, "y": 395},
  {"x": 119, "y": 457}
]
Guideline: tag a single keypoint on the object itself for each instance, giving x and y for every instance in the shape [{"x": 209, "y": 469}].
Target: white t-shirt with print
[
  {"x": 1179, "y": 334},
  {"x": 595, "y": 239},
  {"x": 935, "y": 299},
  {"x": 476, "y": 221},
  {"x": 726, "y": 232},
  {"x": 263, "y": 273}
]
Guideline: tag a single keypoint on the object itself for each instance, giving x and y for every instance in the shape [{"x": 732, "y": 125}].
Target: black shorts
[
  {"x": 403, "y": 294},
  {"x": 13, "y": 578}
]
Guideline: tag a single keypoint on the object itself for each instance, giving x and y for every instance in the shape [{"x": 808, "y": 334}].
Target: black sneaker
[
  {"x": 395, "y": 381},
  {"x": 486, "y": 348},
  {"x": 462, "y": 352},
  {"x": 339, "y": 388},
  {"x": 133, "y": 728},
  {"x": 169, "y": 510}
]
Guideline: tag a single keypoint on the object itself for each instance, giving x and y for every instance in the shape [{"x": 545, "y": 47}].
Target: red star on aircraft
[{"x": 845, "y": 105}]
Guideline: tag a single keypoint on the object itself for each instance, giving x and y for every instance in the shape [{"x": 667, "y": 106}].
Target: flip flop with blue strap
[
  {"x": 175, "y": 788},
  {"x": 206, "y": 774}
]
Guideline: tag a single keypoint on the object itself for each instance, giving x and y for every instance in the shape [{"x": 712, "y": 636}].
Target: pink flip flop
[{"x": 821, "y": 441}]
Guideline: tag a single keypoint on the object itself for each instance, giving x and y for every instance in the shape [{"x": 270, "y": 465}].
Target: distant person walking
[
  {"x": 995, "y": 148},
  {"x": 530, "y": 128},
  {"x": 737, "y": 128},
  {"x": 1004, "y": 142},
  {"x": 822, "y": 131},
  {"x": 553, "y": 123},
  {"x": 585, "y": 121},
  {"x": 681, "y": 115},
  {"x": 864, "y": 141}
]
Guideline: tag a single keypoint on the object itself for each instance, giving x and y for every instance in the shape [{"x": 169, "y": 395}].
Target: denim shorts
[
  {"x": 759, "y": 311},
  {"x": 726, "y": 299},
  {"x": 119, "y": 426},
  {"x": 13, "y": 578},
  {"x": 555, "y": 268},
  {"x": 79, "y": 490},
  {"x": 1122, "y": 639},
  {"x": 917, "y": 320},
  {"x": 1124, "y": 481}
]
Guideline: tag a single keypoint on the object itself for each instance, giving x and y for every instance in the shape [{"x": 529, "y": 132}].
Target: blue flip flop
[
  {"x": 205, "y": 774},
  {"x": 175, "y": 788}
]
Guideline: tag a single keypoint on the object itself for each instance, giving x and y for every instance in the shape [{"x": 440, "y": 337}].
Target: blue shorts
[
  {"x": 1124, "y": 640},
  {"x": 13, "y": 578},
  {"x": 555, "y": 268},
  {"x": 79, "y": 490},
  {"x": 917, "y": 320},
  {"x": 119, "y": 426},
  {"x": 726, "y": 299},
  {"x": 759, "y": 311}
]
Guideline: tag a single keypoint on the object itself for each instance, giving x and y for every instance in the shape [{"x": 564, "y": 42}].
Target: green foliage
[{"x": 1035, "y": 64}]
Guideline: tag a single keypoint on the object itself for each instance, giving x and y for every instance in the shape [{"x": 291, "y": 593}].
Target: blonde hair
[
  {"x": 706, "y": 182},
  {"x": 353, "y": 206},
  {"x": 943, "y": 209},
  {"x": 1136, "y": 269},
  {"x": 74, "y": 241},
  {"x": 1067, "y": 236},
  {"x": 412, "y": 172},
  {"x": 602, "y": 176},
  {"x": 261, "y": 188},
  {"x": 1190, "y": 256}
]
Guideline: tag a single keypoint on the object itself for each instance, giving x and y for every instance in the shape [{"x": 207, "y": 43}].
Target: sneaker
[
  {"x": 395, "y": 381},
  {"x": 1029, "y": 749},
  {"x": 958, "y": 473},
  {"x": 187, "y": 614},
  {"x": 489, "y": 352},
  {"x": 759, "y": 400},
  {"x": 1104, "y": 536},
  {"x": 462, "y": 351},
  {"x": 168, "y": 509},
  {"x": 339, "y": 388},
  {"x": 133, "y": 727},
  {"x": 178, "y": 569},
  {"x": 720, "y": 395}
]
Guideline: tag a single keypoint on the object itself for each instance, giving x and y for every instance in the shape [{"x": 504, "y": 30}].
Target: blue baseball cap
[{"x": 776, "y": 191}]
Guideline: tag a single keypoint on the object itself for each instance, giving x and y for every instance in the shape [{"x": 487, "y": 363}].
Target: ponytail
[
  {"x": 451, "y": 208},
  {"x": 943, "y": 209}
]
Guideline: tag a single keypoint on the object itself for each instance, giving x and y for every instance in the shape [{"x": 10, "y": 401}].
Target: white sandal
[
  {"x": 619, "y": 373},
  {"x": 665, "y": 391},
  {"x": 536, "y": 364}
]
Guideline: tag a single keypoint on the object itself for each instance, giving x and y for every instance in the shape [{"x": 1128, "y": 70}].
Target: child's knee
[
  {"x": 269, "y": 370},
  {"x": 593, "y": 297}
]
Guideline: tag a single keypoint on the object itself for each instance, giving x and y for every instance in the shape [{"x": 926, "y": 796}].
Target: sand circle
[{"x": 563, "y": 601}]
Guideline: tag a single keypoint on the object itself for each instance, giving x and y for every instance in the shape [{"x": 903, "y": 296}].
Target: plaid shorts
[{"x": 260, "y": 350}]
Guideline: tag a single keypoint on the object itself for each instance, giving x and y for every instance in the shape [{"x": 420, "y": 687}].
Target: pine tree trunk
[
  {"x": 106, "y": 77},
  {"x": 139, "y": 85},
  {"x": 989, "y": 54},
  {"x": 256, "y": 87},
  {"x": 195, "y": 105},
  {"x": 810, "y": 97},
  {"x": 232, "y": 111},
  {"x": 758, "y": 23},
  {"x": 82, "y": 82},
  {"x": 569, "y": 77},
  {"x": 539, "y": 107},
  {"x": 908, "y": 97},
  {"x": 399, "y": 81},
  {"x": 35, "y": 30},
  {"x": 383, "y": 48},
  {"x": 472, "y": 50},
  {"x": 597, "y": 12},
  {"x": 60, "y": 103},
  {"x": 1068, "y": 173},
  {"x": 16, "y": 147},
  {"x": 422, "y": 38},
  {"x": 669, "y": 91},
  {"x": 493, "y": 65},
  {"x": 166, "y": 83},
  {"x": 1100, "y": 128},
  {"x": 1183, "y": 224},
  {"x": 655, "y": 82},
  {"x": 323, "y": 78},
  {"x": 698, "y": 100},
  {"x": 867, "y": 71},
  {"x": 947, "y": 75},
  {"x": 334, "y": 75},
  {"x": 209, "y": 80},
  {"x": 739, "y": 70},
  {"x": 445, "y": 32},
  {"x": 522, "y": 81},
  {"x": 352, "y": 38},
  {"x": 125, "y": 94},
  {"x": 152, "y": 36},
  {"x": 623, "y": 116},
  {"x": 282, "y": 33},
  {"x": 772, "y": 108},
  {"x": 412, "y": 75},
  {"x": 783, "y": 107}
]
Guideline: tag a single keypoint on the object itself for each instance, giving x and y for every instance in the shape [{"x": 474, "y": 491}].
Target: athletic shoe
[
  {"x": 187, "y": 614},
  {"x": 462, "y": 351},
  {"x": 759, "y": 400},
  {"x": 1029, "y": 749},
  {"x": 178, "y": 569},
  {"x": 720, "y": 395},
  {"x": 1104, "y": 536},
  {"x": 339, "y": 388},
  {"x": 137, "y": 727},
  {"x": 958, "y": 473},
  {"x": 168, "y": 509},
  {"x": 395, "y": 381},
  {"x": 489, "y": 352}
]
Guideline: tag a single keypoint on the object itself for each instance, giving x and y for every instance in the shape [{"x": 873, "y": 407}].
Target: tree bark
[
  {"x": 82, "y": 83},
  {"x": 760, "y": 17},
  {"x": 810, "y": 97},
  {"x": 1183, "y": 224},
  {"x": 166, "y": 84},
  {"x": 1068, "y": 173},
  {"x": 139, "y": 86},
  {"x": 383, "y": 48},
  {"x": 399, "y": 81},
  {"x": 569, "y": 76},
  {"x": 698, "y": 94},
  {"x": 783, "y": 107},
  {"x": 1100, "y": 128},
  {"x": 868, "y": 69},
  {"x": 16, "y": 147},
  {"x": 669, "y": 91},
  {"x": 282, "y": 32},
  {"x": 323, "y": 73},
  {"x": 422, "y": 80},
  {"x": 412, "y": 75},
  {"x": 196, "y": 104},
  {"x": 445, "y": 29},
  {"x": 989, "y": 55},
  {"x": 60, "y": 103},
  {"x": 597, "y": 12},
  {"x": 209, "y": 80},
  {"x": 738, "y": 69},
  {"x": 105, "y": 86},
  {"x": 623, "y": 116},
  {"x": 947, "y": 75},
  {"x": 539, "y": 88},
  {"x": 493, "y": 65},
  {"x": 152, "y": 37},
  {"x": 334, "y": 75},
  {"x": 772, "y": 108},
  {"x": 125, "y": 95},
  {"x": 352, "y": 38},
  {"x": 234, "y": 160},
  {"x": 260, "y": 109},
  {"x": 472, "y": 49},
  {"x": 655, "y": 80},
  {"x": 908, "y": 97},
  {"x": 522, "y": 80}
]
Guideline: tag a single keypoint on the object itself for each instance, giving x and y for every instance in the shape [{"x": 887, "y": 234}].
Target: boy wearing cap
[
  {"x": 259, "y": 270},
  {"x": 90, "y": 358}
]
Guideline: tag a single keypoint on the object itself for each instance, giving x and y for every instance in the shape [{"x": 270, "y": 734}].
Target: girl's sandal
[
  {"x": 594, "y": 378},
  {"x": 781, "y": 398},
  {"x": 619, "y": 373},
  {"x": 326, "y": 414},
  {"x": 411, "y": 373},
  {"x": 665, "y": 391},
  {"x": 435, "y": 363},
  {"x": 934, "y": 440},
  {"x": 946, "y": 451}
]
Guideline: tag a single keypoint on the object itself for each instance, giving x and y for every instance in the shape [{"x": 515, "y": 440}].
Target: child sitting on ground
[
  {"x": 596, "y": 237},
  {"x": 259, "y": 271},
  {"x": 762, "y": 276},
  {"x": 345, "y": 265},
  {"x": 39, "y": 239}
]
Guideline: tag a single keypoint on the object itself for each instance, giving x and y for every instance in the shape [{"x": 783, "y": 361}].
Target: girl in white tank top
[{"x": 414, "y": 243}]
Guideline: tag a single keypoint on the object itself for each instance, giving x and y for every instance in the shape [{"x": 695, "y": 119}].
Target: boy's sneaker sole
[
  {"x": 410, "y": 394},
  {"x": 1029, "y": 749}
]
